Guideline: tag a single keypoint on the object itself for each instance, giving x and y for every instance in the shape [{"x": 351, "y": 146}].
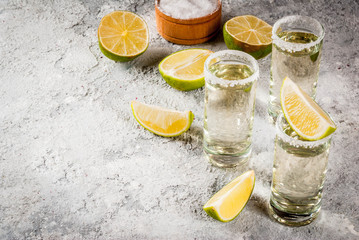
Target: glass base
[
  {"x": 228, "y": 160},
  {"x": 291, "y": 219}
]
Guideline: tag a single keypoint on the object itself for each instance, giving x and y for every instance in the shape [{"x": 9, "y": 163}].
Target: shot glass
[
  {"x": 230, "y": 90},
  {"x": 296, "y": 53},
  {"x": 299, "y": 170}
]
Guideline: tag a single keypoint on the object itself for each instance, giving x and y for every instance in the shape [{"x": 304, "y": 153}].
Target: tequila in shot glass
[
  {"x": 296, "y": 53},
  {"x": 230, "y": 89},
  {"x": 299, "y": 170}
]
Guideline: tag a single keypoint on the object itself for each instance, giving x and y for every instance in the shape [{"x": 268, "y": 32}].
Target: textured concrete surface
[{"x": 74, "y": 163}]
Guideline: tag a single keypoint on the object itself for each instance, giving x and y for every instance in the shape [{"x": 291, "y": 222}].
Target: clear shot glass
[
  {"x": 230, "y": 92},
  {"x": 299, "y": 171},
  {"x": 296, "y": 53}
]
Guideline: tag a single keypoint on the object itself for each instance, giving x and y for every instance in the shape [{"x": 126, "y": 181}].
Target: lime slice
[
  {"x": 249, "y": 34},
  {"x": 303, "y": 114},
  {"x": 160, "y": 121},
  {"x": 228, "y": 202},
  {"x": 123, "y": 36},
  {"x": 184, "y": 70}
]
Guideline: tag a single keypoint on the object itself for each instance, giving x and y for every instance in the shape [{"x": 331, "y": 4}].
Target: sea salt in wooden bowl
[{"x": 188, "y": 31}]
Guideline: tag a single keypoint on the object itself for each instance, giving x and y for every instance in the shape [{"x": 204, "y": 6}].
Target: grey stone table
[{"x": 74, "y": 163}]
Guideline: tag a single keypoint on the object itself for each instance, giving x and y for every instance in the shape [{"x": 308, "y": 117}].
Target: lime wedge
[
  {"x": 228, "y": 202},
  {"x": 184, "y": 70},
  {"x": 303, "y": 114},
  {"x": 161, "y": 121}
]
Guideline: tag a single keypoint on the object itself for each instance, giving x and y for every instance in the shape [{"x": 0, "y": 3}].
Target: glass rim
[
  {"x": 295, "y": 46},
  {"x": 297, "y": 142},
  {"x": 216, "y": 80}
]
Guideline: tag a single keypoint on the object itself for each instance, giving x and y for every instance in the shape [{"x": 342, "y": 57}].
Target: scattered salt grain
[{"x": 187, "y": 9}]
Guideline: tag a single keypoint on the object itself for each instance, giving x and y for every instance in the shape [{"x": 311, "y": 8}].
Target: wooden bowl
[{"x": 188, "y": 31}]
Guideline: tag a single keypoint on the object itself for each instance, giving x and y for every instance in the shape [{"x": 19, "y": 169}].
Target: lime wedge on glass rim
[{"x": 303, "y": 114}]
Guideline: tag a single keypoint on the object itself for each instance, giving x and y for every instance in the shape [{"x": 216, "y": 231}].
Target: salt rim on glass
[
  {"x": 212, "y": 79},
  {"x": 306, "y": 23}
]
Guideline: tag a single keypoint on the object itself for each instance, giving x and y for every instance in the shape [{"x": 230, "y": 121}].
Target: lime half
[
  {"x": 123, "y": 36},
  {"x": 184, "y": 70},
  {"x": 249, "y": 34}
]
